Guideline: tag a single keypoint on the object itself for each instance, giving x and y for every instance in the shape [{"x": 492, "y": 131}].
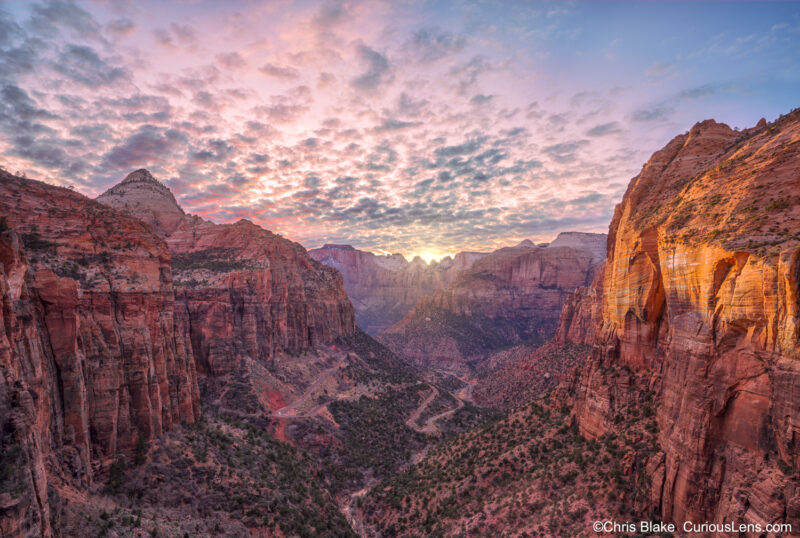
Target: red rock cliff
[
  {"x": 582, "y": 311},
  {"x": 246, "y": 293},
  {"x": 92, "y": 358},
  {"x": 701, "y": 313}
]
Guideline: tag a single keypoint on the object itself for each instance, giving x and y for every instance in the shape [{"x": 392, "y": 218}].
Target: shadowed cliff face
[
  {"x": 700, "y": 309},
  {"x": 246, "y": 294},
  {"x": 384, "y": 288},
  {"x": 94, "y": 359},
  {"x": 106, "y": 327},
  {"x": 532, "y": 374},
  {"x": 513, "y": 295}
]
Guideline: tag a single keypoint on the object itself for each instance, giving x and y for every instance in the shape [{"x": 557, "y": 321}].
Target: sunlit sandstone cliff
[
  {"x": 384, "y": 288},
  {"x": 94, "y": 358},
  {"x": 700, "y": 320},
  {"x": 102, "y": 351}
]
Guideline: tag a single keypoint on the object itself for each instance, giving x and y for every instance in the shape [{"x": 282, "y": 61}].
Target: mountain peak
[
  {"x": 147, "y": 199},
  {"x": 142, "y": 174}
]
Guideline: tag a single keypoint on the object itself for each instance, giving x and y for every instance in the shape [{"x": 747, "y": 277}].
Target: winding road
[
  {"x": 290, "y": 411},
  {"x": 462, "y": 396}
]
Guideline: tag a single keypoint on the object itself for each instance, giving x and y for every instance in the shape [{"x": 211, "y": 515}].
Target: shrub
[
  {"x": 116, "y": 476},
  {"x": 778, "y": 205}
]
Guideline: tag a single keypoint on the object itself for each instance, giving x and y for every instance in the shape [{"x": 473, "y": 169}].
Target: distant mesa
[
  {"x": 511, "y": 296},
  {"x": 383, "y": 288}
]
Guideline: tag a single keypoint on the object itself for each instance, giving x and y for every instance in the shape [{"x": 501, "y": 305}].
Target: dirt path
[
  {"x": 462, "y": 396},
  {"x": 290, "y": 411},
  {"x": 352, "y": 515},
  {"x": 412, "y": 420}
]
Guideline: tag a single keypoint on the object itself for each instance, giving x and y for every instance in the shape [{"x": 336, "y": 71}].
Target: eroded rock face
[
  {"x": 94, "y": 360},
  {"x": 244, "y": 293},
  {"x": 150, "y": 200},
  {"x": 384, "y": 288},
  {"x": 700, "y": 319},
  {"x": 531, "y": 374},
  {"x": 512, "y": 295},
  {"x": 23, "y": 488},
  {"x": 581, "y": 313}
]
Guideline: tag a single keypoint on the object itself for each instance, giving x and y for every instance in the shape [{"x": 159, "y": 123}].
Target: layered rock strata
[
  {"x": 94, "y": 359},
  {"x": 700, "y": 324},
  {"x": 245, "y": 292}
]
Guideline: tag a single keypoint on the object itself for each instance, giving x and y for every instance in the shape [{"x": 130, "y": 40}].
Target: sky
[{"x": 424, "y": 128}]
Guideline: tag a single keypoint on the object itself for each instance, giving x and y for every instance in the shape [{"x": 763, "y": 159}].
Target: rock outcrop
[
  {"x": 515, "y": 294},
  {"x": 383, "y": 288},
  {"x": 700, "y": 324},
  {"x": 94, "y": 359},
  {"x": 581, "y": 313},
  {"x": 246, "y": 294},
  {"x": 148, "y": 199},
  {"x": 523, "y": 378}
]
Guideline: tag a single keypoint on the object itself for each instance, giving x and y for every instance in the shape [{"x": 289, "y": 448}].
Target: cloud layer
[{"x": 419, "y": 128}]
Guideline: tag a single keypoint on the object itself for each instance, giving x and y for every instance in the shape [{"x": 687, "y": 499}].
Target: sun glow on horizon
[{"x": 430, "y": 255}]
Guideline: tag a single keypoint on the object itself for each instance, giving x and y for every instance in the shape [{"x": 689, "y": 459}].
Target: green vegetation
[
  {"x": 140, "y": 452},
  {"x": 475, "y": 335},
  {"x": 778, "y": 205},
  {"x": 373, "y": 430},
  {"x": 467, "y": 417},
  {"x": 33, "y": 240},
  {"x": 529, "y": 471},
  {"x": 216, "y": 260},
  {"x": 70, "y": 270},
  {"x": 383, "y": 365},
  {"x": 229, "y": 472},
  {"x": 441, "y": 403},
  {"x": 12, "y": 464},
  {"x": 116, "y": 476}
]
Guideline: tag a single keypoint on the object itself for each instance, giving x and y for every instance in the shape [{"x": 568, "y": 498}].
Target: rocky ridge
[
  {"x": 699, "y": 313},
  {"x": 511, "y": 296},
  {"x": 383, "y": 288},
  {"x": 111, "y": 337},
  {"x": 248, "y": 295},
  {"x": 95, "y": 360},
  {"x": 277, "y": 351}
]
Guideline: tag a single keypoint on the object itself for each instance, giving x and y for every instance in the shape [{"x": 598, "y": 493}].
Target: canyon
[
  {"x": 647, "y": 373},
  {"x": 682, "y": 406},
  {"x": 510, "y": 297},
  {"x": 383, "y": 288},
  {"x": 248, "y": 297},
  {"x": 141, "y": 343}
]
